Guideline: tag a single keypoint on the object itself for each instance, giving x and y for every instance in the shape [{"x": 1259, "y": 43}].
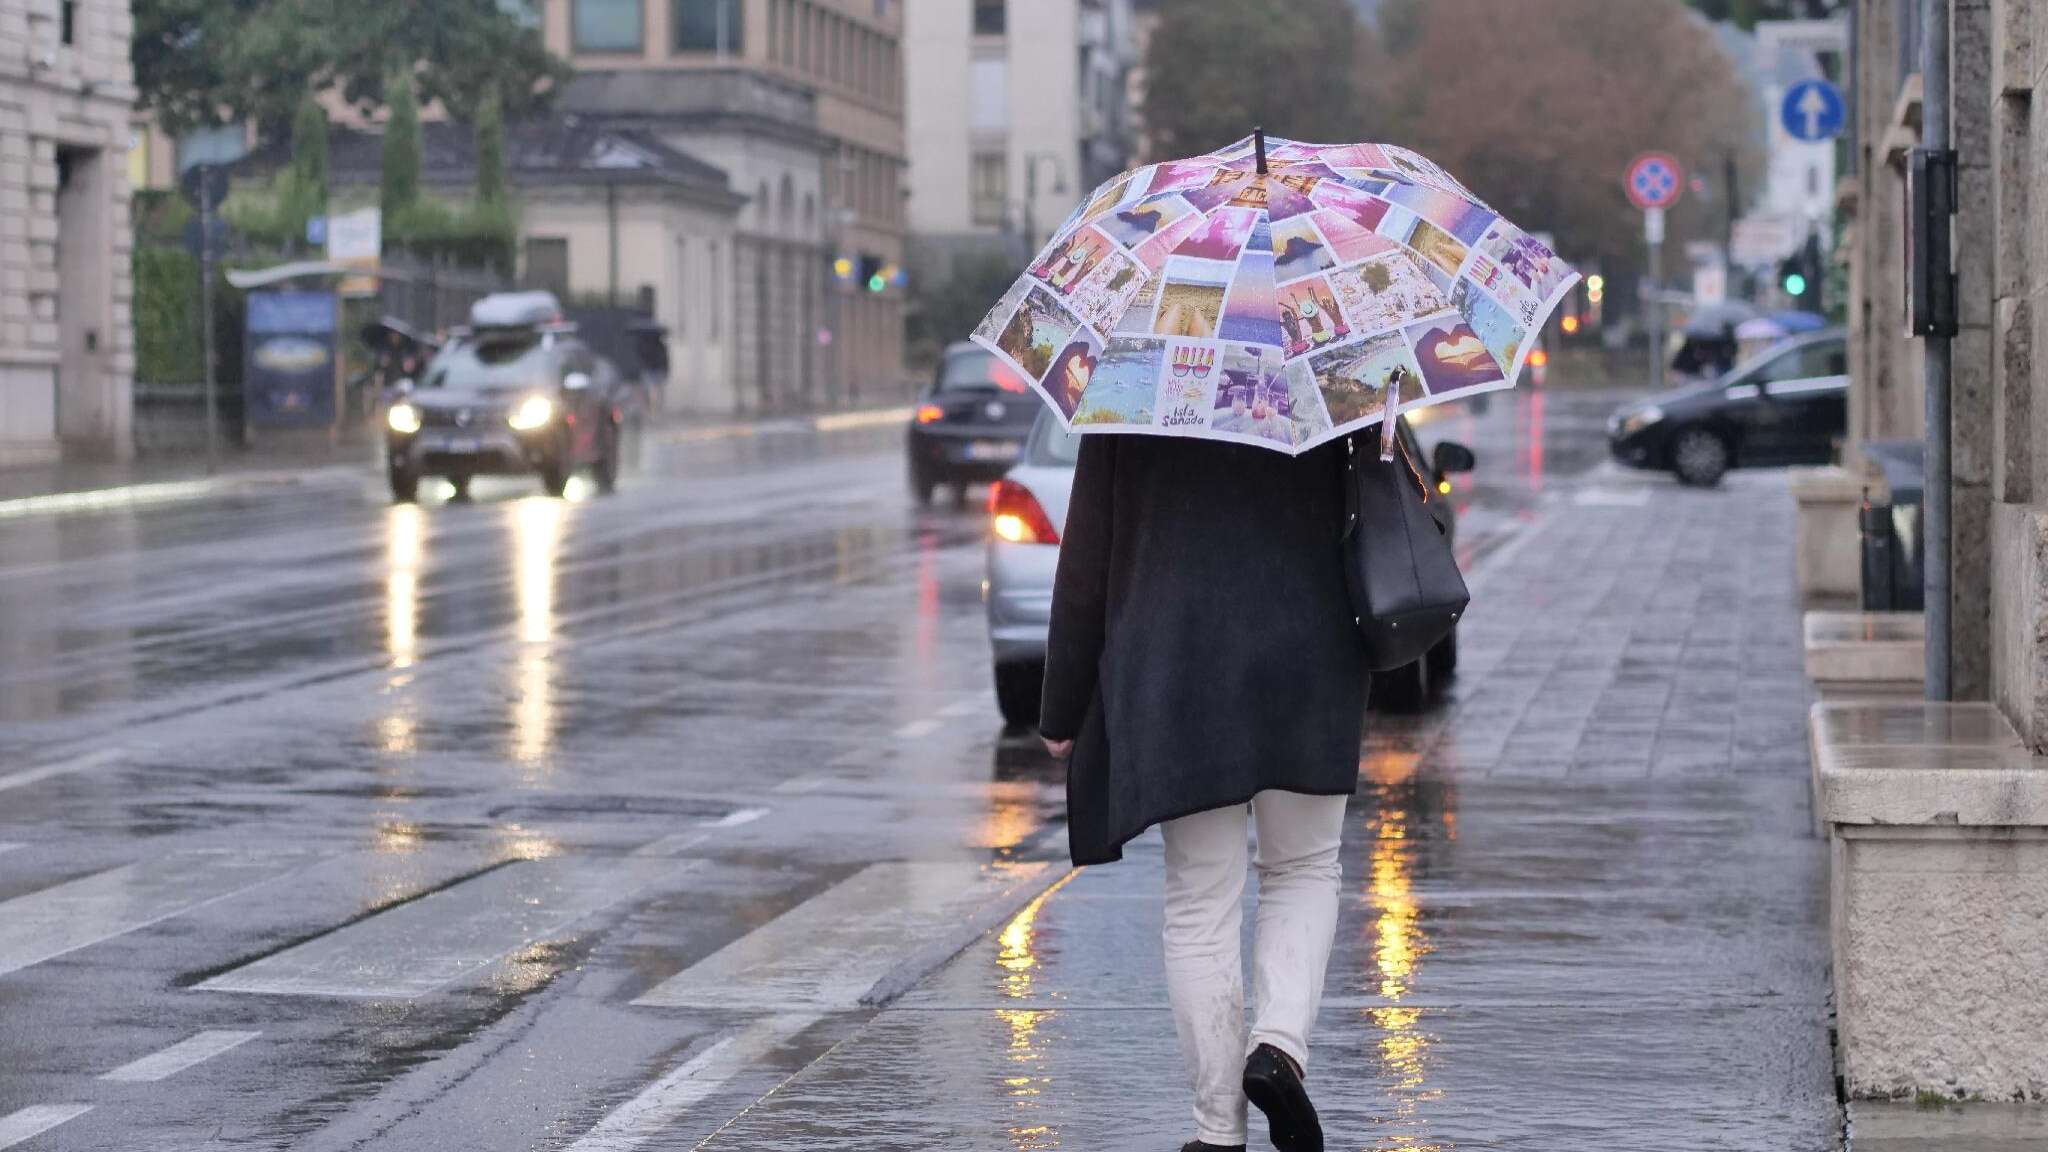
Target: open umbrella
[{"x": 1274, "y": 293}]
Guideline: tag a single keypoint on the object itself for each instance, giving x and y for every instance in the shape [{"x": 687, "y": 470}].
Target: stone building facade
[
  {"x": 67, "y": 359},
  {"x": 1999, "y": 390},
  {"x": 720, "y": 79}
]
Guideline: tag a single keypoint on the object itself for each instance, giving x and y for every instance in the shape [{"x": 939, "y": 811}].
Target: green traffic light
[
  {"x": 1795, "y": 285},
  {"x": 876, "y": 283}
]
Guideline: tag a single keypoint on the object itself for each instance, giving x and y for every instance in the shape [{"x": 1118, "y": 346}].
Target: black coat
[{"x": 1202, "y": 648}]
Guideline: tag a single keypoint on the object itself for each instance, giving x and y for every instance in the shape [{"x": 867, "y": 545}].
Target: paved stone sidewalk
[{"x": 1582, "y": 906}]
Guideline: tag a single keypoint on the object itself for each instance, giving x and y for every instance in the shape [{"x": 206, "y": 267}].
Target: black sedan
[
  {"x": 971, "y": 422},
  {"x": 1789, "y": 405}
]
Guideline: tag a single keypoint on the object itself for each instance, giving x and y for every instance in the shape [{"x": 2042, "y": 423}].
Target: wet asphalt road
[{"x": 518, "y": 823}]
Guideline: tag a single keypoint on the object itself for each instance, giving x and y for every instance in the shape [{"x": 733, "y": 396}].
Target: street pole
[
  {"x": 1653, "y": 232},
  {"x": 1934, "y": 136},
  {"x": 206, "y": 319}
]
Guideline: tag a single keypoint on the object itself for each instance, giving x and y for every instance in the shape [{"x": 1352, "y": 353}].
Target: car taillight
[
  {"x": 1015, "y": 515},
  {"x": 929, "y": 413}
]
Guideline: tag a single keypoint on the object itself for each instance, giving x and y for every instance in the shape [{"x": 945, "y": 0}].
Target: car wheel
[
  {"x": 1700, "y": 457},
  {"x": 607, "y": 471},
  {"x": 921, "y": 487},
  {"x": 1017, "y": 693},
  {"x": 405, "y": 485},
  {"x": 554, "y": 480},
  {"x": 1404, "y": 690}
]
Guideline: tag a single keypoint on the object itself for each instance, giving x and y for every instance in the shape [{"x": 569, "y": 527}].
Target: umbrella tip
[{"x": 1259, "y": 142}]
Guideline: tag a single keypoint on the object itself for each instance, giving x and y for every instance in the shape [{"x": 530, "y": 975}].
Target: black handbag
[{"x": 1406, "y": 590}]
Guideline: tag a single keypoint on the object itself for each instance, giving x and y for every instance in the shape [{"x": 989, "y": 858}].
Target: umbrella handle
[
  {"x": 1259, "y": 142},
  {"x": 1388, "y": 433}
]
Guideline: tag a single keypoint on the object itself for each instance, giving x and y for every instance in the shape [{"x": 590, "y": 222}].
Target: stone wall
[{"x": 65, "y": 109}]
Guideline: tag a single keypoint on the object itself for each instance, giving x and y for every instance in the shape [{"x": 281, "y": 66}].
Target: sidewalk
[{"x": 1582, "y": 905}]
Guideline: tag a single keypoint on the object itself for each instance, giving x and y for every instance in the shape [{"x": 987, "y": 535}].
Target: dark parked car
[
  {"x": 971, "y": 422},
  {"x": 1788, "y": 405},
  {"x": 518, "y": 394}
]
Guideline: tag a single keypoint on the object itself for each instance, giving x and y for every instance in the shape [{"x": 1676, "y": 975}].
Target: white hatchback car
[{"x": 1027, "y": 511}]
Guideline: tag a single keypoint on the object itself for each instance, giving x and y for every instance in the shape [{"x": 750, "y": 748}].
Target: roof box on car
[{"x": 515, "y": 310}]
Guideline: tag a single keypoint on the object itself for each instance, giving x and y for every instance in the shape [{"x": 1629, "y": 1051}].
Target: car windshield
[
  {"x": 1787, "y": 360},
  {"x": 497, "y": 360},
  {"x": 1051, "y": 447},
  {"x": 978, "y": 368}
]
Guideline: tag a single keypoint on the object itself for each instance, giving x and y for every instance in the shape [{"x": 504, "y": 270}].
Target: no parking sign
[{"x": 1654, "y": 181}]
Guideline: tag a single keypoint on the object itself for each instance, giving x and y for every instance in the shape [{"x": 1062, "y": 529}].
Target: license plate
[
  {"x": 462, "y": 446},
  {"x": 992, "y": 450}
]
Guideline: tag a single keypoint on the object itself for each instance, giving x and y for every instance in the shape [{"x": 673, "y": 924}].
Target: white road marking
[
  {"x": 423, "y": 945},
  {"x": 35, "y": 1120},
  {"x": 11, "y": 847},
  {"x": 919, "y": 729},
  {"x": 802, "y": 784},
  {"x": 678, "y": 842},
  {"x": 668, "y": 1099},
  {"x": 61, "y": 768},
  {"x": 963, "y": 708},
  {"x": 825, "y": 954},
  {"x": 180, "y": 1056},
  {"x": 49, "y": 923}
]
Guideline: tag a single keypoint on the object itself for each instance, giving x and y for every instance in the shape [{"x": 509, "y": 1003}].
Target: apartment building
[
  {"x": 1017, "y": 108},
  {"x": 67, "y": 359},
  {"x": 801, "y": 103}
]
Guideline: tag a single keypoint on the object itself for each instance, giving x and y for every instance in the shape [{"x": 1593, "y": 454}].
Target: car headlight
[
  {"x": 531, "y": 413},
  {"x": 1640, "y": 419},
  {"x": 403, "y": 419}
]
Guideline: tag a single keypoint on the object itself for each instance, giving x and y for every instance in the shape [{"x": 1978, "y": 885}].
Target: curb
[{"x": 929, "y": 958}]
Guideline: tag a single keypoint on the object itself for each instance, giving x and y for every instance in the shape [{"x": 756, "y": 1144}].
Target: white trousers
[{"x": 1296, "y": 921}]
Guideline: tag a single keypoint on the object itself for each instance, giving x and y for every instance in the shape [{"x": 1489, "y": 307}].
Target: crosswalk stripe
[
  {"x": 180, "y": 1056},
  {"x": 35, "y": 1120},
  {"x": 49, "y": 923},
  {"x": 668, "y": 1099},
  {"x": 676, "y": 843},
  {"x": 418, "y": 947},
  {"x": 83, "y": 763},
  {"x": 737, "y": 818},
  {"x": 827, "y": 953}
]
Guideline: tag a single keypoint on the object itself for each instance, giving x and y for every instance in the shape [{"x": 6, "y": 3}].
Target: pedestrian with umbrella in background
[{"x": 1202, "y": 721}]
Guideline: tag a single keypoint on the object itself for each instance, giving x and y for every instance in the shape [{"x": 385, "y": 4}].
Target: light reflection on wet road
[{"x": 469, "y": 709}]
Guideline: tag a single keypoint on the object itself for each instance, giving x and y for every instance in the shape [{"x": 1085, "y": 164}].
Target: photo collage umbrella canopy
[{"x": 1213, "y": 299}]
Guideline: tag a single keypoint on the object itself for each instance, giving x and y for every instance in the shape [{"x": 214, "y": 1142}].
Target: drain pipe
[{"x": 1934, "y": 139}]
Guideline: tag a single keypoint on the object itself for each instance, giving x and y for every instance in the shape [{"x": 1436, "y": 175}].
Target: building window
[
  {"x": 607, "y": 26},
  {"x": 707, "y": 25},
  {"x": 67, "y": 22},
  {"x": 685, "y": 291},
  {"x": 835, "y": 44},
  {"x": 717, "y": 291},
  {"x": 989, "y": 18},
  {"x": 990, "y": 184},
  {"x": 547, "y": 264},
  {"x": 775, "y": 30}
]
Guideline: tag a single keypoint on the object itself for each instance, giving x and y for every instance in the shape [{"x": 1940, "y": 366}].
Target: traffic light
[
  {"x": 1795, "y": 285},
  {"x": 870, "y": 275},
  {"x": 1800, "y": 275},
  {"x": 1596, "y": 288}
]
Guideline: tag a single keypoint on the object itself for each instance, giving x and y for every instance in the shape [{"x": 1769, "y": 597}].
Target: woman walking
[{"x": 1203, "y": 673}]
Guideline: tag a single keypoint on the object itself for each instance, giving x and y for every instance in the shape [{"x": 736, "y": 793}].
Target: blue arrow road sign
[{"x": 1812, "y": 111}]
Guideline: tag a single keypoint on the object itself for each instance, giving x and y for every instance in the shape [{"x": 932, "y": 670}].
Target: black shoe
[
  {"x": 1198, "y": 1146},
  {"x": 1272, "y": 1083}
]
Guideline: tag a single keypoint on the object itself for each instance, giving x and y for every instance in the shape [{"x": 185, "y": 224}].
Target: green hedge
[{"x": 167, "y": 345}]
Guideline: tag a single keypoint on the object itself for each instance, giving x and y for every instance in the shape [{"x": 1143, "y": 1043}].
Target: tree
[
  {"x": 304, "y": 191},
  {"x": 211, "y": 62},
  {"x": 402, "y": 158},
  {"x": 1216, "y": 68},
  {"x": 490, "y": 150},
  {"x": 1589, "y": 84}
]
